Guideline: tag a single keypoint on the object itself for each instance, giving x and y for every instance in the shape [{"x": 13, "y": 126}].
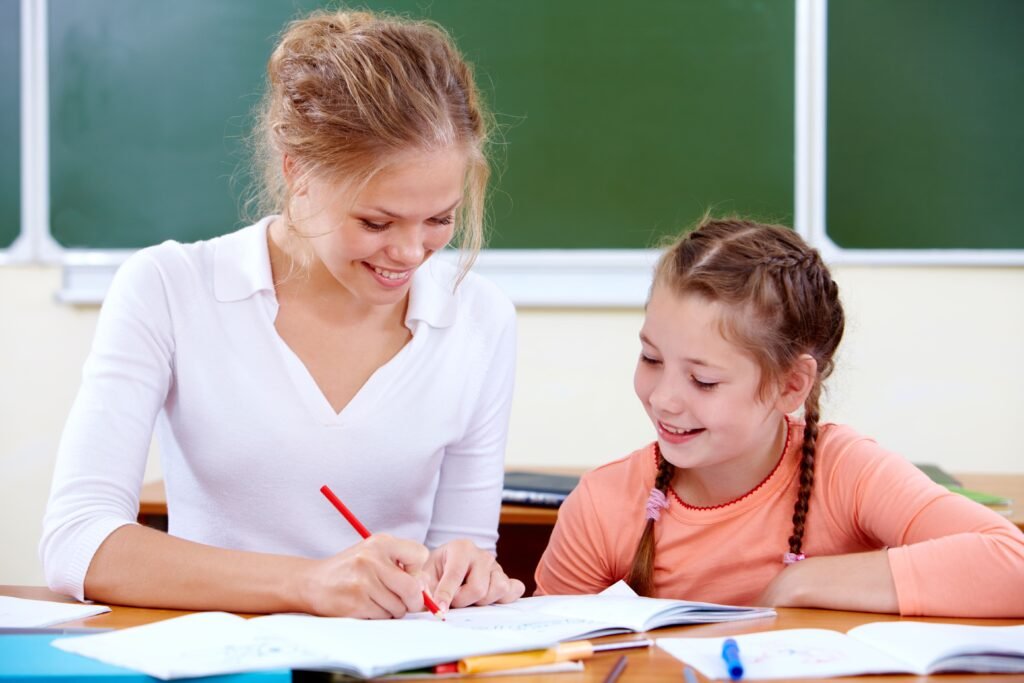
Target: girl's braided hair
[{"x": 780, "y": 302}]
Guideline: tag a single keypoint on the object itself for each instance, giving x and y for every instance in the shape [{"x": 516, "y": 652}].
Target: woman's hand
[
  {"x": 378, "y": 578},
  {"x": 467, "y": 575}
]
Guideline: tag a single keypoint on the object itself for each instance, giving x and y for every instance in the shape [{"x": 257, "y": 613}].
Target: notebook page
[
  {"x": 23, "y": 613},
  {"x": 201, "y": 644},
  {"x": 374, "y": 647},
  {"x": 794, "y": 653},
  {"x": 515, "y": 618},
  {"x": 922, "y": 644}
]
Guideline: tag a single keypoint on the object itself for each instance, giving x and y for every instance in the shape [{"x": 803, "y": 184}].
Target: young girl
[
  {"x": 322, "y": 345},
  {"x": 740, "y": 502}
]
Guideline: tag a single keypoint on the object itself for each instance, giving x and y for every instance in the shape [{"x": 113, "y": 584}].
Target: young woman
[{"x": 322, "y": 345}]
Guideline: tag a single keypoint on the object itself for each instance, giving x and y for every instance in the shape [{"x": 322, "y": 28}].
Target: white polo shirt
[{"x": 186, "y": 346}]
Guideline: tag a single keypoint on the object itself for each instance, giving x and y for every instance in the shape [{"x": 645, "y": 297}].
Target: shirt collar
[
  {"x": 242, "y": 268},
  {"x": 241, "y": 263},
  {"x": 432, "y": 296}
]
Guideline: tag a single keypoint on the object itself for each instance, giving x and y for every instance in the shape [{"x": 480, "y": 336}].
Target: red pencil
[{"x": 365, "y": 533}]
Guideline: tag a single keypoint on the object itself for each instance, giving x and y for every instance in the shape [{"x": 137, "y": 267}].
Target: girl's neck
[{"x": 727, "y": 483}]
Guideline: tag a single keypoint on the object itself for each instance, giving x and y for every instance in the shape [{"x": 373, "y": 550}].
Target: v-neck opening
[
  {"x": 310, "y": 392},
  {"x": 365, "y": 397}
]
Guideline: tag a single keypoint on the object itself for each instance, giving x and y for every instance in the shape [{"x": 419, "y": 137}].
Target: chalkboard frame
[
  {"x": 811, "y": 164},
  {"x": 532, "y": 277}
]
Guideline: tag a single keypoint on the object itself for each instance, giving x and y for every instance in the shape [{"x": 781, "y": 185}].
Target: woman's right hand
[{"x": 378, "y": 578}]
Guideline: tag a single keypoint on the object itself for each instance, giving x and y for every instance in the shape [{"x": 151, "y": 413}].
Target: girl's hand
[
  {"x": 377, "y": 578},
  {"x": 859, "y": 582},
  {"x": 784, "y": 589},
  {"x": 467, "y": 575}
]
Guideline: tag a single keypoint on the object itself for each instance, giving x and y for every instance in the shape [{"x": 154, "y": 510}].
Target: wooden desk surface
[
  {"x": 651, "y": 665},
  {"x": 154, "y": 502}
]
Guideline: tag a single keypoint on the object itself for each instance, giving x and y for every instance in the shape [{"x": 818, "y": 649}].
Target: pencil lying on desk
[
  {"x": 616, "y": 671},
  {"x": 563, "y": 652},
  {"x": 365, "y": 533}
]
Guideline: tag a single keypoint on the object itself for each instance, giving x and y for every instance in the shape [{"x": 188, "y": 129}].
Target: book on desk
[
  {"x": 907, "y": 647},
  {"x": 540, "y": 489},
  {"x": 944, "y": 478},
  {"x": 209, "y": 643}
]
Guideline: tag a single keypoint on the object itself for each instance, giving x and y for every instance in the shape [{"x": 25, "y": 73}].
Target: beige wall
[{"x": 932, "y": 366}]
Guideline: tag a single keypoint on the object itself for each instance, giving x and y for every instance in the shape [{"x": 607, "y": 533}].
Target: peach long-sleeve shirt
[{"x": 949, "y": 556}]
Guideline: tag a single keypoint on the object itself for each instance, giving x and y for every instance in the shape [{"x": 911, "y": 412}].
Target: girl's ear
[{"x": 797, "y": 383}]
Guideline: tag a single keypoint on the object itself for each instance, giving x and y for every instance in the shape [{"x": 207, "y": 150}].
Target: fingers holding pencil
[
  {"x": 413, "y": 567},
  {"x": 378, "y": 578}
]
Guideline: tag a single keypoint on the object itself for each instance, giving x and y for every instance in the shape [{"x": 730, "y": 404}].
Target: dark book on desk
[
  {"x": 537, "y": 488},
  {"x": 944, "y": 478}
]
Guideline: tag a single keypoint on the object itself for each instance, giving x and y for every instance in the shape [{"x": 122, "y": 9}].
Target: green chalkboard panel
[
  {"x": 925, "y": 141},
  {"x": 148, "y": 105},
  {"x": 10, "y": 122},
  {"x": 619, "y": 124}
]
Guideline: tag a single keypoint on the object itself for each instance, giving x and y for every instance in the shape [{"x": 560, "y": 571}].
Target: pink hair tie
[
  {"x": 793, "y": 558},
  {"x": 656, "y": 502}
]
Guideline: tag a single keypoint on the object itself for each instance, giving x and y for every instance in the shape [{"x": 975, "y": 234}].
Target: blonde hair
[
  {"x": 350, "y": 92},
  {"x": 780, "y": 302}
]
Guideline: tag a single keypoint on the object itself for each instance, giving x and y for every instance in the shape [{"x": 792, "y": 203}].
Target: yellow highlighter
[{"x": 563, "y": 652}]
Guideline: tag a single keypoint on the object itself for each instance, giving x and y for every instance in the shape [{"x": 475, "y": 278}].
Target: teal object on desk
[{"x": 31, "y": 659}]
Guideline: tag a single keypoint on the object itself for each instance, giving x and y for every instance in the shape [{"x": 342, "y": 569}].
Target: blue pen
[{"x": 731, "y": 655}]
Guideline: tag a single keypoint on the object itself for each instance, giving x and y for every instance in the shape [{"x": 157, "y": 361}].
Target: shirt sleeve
[
  {"x": 577, "y": 557},
  {"x": 468, "y": 499},
  {"x": 949, "y": 556},
  {"x": 102, "y": 454}
]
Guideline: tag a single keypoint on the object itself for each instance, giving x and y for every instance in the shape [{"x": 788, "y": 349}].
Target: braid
[
  {"x": 808, "y": 448},
  {"x": 641, "y": 574},
  {"x": 788, "y": 261}
]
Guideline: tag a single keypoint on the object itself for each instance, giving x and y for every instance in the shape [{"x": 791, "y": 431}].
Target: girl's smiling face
[{"x": 701, "y": 390}]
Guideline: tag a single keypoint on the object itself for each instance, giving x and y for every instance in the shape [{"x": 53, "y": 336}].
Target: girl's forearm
[{"x": 860, "y": 582}]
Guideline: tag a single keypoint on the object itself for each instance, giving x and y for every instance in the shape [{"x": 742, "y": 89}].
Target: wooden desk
[{"x": 651, "y": 665}]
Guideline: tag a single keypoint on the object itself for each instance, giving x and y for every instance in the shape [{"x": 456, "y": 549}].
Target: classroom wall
[{"x": 931, "y": 366}]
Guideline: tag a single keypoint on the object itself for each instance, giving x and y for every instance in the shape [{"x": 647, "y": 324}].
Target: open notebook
[
  {"x": 616, "y": 610},
  {"x": 216, "y": 642},
  {"x": 882, "y": 647}
]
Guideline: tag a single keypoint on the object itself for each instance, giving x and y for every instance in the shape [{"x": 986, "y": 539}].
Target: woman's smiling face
[{"x": 373, "y": 242}]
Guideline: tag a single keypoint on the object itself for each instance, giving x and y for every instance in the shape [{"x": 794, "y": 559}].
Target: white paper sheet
[{"x": 23, "y": 613}]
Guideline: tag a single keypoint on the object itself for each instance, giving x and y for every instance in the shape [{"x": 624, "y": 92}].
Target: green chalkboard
[
  {"x": 925, "y": 140},
  {"x": 620, "y": 124},
  {"x": 10, "y": 122}
]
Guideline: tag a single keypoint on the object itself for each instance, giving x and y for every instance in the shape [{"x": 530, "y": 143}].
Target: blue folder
[{"x": 31, "y": 659}]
